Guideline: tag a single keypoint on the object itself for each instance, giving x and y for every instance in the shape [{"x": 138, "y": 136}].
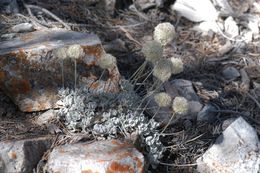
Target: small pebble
[
  {"x": 230, "y": 73},
  {"x": 23, "y": 27}
]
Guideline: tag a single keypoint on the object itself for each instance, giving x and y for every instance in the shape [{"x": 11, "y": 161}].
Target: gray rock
[
  {"x": 194, "y": 107},
  {"x": 22, "y": 155},
  {"x": 164, "y": 114},
  {"x": 256, "y": 85},
  {"x": 8, "y": 36},
  {"x": 230, "y": 73},
  {"x": 99, "y": 156},
  {"x": 207, "y": 114},
  {"x": 227, "y": 123},
  {"x": 178, "y": 87},
  {"x": 185, "y": 89},
  {"x": 233, "y": 7},
  {"x": 22, "y": 27},
  {"x": 236, "y": 150},
  {"x": 9, "y": 6},
  {"x": 46, "y": 117}
]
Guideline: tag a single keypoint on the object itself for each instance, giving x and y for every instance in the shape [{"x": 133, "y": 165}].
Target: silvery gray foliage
[{"x": 110, "y": 114}]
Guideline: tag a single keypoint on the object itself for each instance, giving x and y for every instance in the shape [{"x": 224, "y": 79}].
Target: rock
[
  {"x": 194, "y": 11},
  {"x": 164, "y": 114},
  {"x": 230, "y": 73},
  {"x": 110, "y": 6},
  {"x": 227, "y": 123},
  {"x": 231, "y": 27},
  {"x": 224, "y": 7},
  {"x": 236, "y": 150},
  {"x": 100, "y": 156},
  {"x": 206, "y": 27},
  {"x": 161, "y": 115},
  {"x": 9, "y": 6},
  {"x": 194, "y": 107},
  {"x": 233, "y": 8},
  {"x": 36, "y": 65},
  {"x": 253, "y": 24},
  {"x": 207, "y": 114},
  {"x": 144, "y": 4},
  {"x": 22, "y": 27},
  {"x": 22, "y": 155},
  {"x": 185, "y": 89},
  {"x": 178, "y": 87},
  {"x": 46, "y": 117},
  {"x": 256, "y": 85},
  {"x": 8, "y": 36}
]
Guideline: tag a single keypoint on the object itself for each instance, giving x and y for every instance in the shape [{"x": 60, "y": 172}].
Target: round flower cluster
[
  {"x": 177, "y": 65},
  {"x": 163, "y": 70},
  {"x": 180, "y": 106},
  {"x": 75, "y": 51},
  {"x": 60, "y": 53},
  {"x": 152, "y": 51},
  {"x": 107, "y": 61},
  {"x": 162, "y": 99},
  {"x": 164, "y": 33}
]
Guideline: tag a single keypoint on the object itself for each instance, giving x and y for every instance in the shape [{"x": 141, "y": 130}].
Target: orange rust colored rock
[
  {"x": 93, "y": 50},
  {"x": 88, "y": 171},
  {"x": 20, "y": 86},
  {"x": 2, "y": 75},
  {"x": 27, "y": 37},
  {"x": 94, "y": 85},
  {"x": 21, "y": 55},
  {"x": 12, "y": 155},
  {"x": 97, "y": 157},
  {"x": 30, "y": 68},
  {"x": 117, "y": 167}
]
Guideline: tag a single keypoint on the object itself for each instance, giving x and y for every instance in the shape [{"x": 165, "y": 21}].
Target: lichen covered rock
[
  {"x": 100, "y": 156},
  {"x": 36, "y": 65}
]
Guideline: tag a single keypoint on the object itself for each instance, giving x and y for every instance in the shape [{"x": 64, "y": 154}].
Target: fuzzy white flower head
[
  {"x": 162, "y": 99},
  {"x": 163, "y": 70},
  {"x": 180, "y": 105},
  {"x": 60, "y": 53},
  {"x": 75, "y": 51},
  {"x": 152, "y": 51},
  {"x": 107, "y": 61},
  {"x": 164, "y": 33},
  {"x": 177, "y": 65}
]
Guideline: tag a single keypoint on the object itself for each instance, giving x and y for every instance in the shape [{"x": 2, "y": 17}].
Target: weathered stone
[
  {"x": 23, "y": 27},
  {"x": 22, "y": 156},
  {"x": 207, "y": 114},
  {"x": 231, "y": 27},
  {"x": 9, "y": 6},
  {"x": 227, "y": 122},
  {"x": 230, "y": 73},
  {"x": 46, "y": 117},
  {"x": 101, "y": 156},
  {"x": 178, "y": 87},
  {"x": 236, "y": 150},
  {"x": 233, "y": 7},
  {"x": 8, "y": 36},
  {"x": 185, "y": 89},
  {"x": 36, "y": 65}
]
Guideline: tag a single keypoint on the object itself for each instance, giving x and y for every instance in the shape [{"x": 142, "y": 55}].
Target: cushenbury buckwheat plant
[
  {"x": 116, "y": 115},
  {"x": 110, "y": 115}
]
